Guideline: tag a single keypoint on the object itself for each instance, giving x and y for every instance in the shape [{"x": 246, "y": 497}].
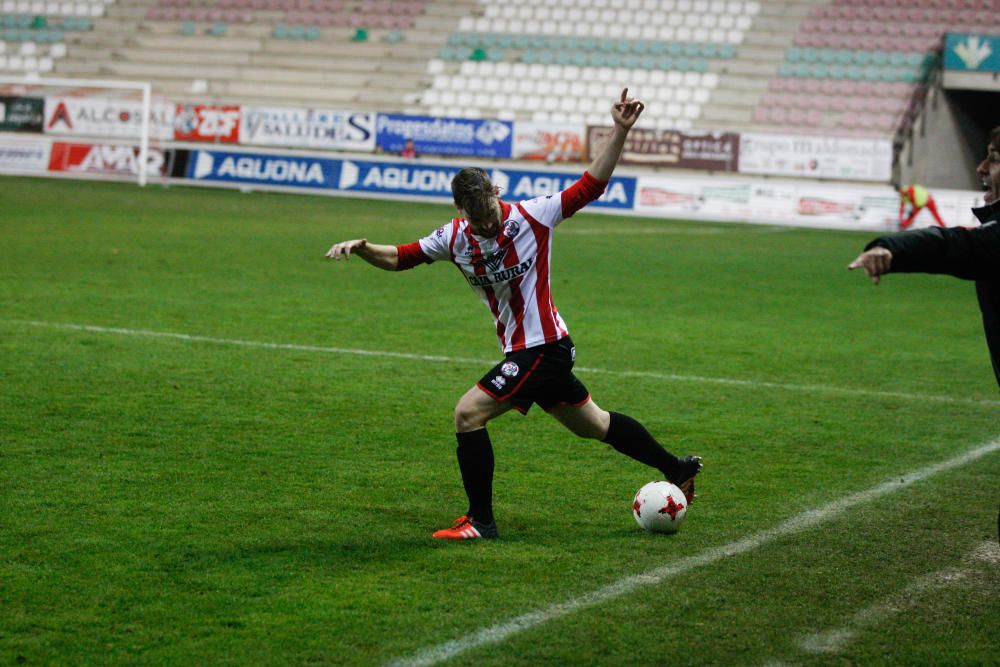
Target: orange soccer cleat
[{"x": 467, "y": 528}]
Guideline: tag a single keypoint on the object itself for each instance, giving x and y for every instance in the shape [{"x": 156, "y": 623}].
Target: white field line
[
  {"x": 807, "y": 520},
  {"x": 669, "y": 377},
  {"x": 667, "y": 231},
  {"x": 835, "y": 639}
]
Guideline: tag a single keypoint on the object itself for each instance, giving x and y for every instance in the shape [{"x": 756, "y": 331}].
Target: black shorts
[{"x": 542, "y": 375}]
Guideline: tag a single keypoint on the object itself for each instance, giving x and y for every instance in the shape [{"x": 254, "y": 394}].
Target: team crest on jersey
[
  {"x": 510, "y": 369},
  {"x": 511, "y": 229}
]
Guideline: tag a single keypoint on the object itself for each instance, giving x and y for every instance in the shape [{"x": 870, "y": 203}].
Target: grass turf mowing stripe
[
  {"x": 670, "y": 377},
  {"x": 806, "y": 520}
]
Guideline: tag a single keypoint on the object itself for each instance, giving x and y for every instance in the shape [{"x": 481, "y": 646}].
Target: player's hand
[
  {"x": 626, "y": 111},
  {"x": 345, "y": 248},
  {"x": 875, "y": 262}
]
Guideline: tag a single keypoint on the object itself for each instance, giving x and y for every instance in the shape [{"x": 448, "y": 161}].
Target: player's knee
[
  {"x": 592, "y": 424},
  {"x": 467, "y": 417}
]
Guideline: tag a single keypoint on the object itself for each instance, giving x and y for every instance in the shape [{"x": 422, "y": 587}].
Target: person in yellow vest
[{"x": 918, "y": 198}]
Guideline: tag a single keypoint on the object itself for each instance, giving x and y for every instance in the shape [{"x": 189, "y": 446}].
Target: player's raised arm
[
  {"x": 624, "y": 112},
  {"x": 591, "y": 186},
  {"x": 382, "y": 256}
]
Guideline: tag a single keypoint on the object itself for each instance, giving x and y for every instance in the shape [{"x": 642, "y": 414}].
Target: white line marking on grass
[
  {"x": 669, "y": 231},
  {"x": 670, "y": 377},
  {"x": 835, "y": 639},
  {"x": 433, "y": 655}
]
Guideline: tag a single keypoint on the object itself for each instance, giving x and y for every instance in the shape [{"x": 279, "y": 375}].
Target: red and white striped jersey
[{"x": 511, "y": 273}]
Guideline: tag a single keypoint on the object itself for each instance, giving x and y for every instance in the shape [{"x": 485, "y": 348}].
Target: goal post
[{"x": 69, "y": 87}]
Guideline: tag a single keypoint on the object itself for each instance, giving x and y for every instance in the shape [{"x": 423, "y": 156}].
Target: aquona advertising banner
[
  {"x": 21, "y": 114},
  {"x": 308, "y": 128},
  {"x": 249, "y": 168},
  {"x": 107, "y": 117},
  {"x": 408, "y": 178},
  {"x": 445, "y": 136},
  {"x": 710, "y": 151},
  {"x": 841, "y": 158}
]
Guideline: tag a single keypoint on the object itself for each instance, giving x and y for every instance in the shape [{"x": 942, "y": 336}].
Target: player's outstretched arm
[
  {"x": 382, "y": 256},
  {"x": 876, "y": 261},
  {"x": 624, "y": 112}
]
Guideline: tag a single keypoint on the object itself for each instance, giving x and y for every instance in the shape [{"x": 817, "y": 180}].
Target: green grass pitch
[{"x": 212, "y": 500}]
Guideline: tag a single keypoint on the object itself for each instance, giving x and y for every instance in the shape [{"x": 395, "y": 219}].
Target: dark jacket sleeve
[{"x": 971, "y": 253}]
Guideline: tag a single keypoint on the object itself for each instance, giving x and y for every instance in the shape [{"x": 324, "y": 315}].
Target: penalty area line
[
  {"x": 807, "y": 520},
  {"x": 668, "y": 377}
]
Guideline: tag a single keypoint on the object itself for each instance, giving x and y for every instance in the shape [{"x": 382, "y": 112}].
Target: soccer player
[
  {"x": 918, "y": 198},
  {"x": 968, "y": 253},
  {"x": 503, "y": 251}
]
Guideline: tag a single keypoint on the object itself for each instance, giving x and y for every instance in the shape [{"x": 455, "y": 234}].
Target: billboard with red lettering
[
  {"x": 204, "y": 122},
  {"x": 109, "y": 159}
]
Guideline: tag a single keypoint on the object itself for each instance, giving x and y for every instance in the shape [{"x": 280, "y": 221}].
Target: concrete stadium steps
[
  {"x": 743, "y": 80},
  {"x": 248, "y": 64}
]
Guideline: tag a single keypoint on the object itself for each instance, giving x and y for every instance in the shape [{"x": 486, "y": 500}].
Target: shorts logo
[
  {"x": 498, "y": 382},
  {"x": 572, "y": 354},
  {"x": 509, "y": 369}
]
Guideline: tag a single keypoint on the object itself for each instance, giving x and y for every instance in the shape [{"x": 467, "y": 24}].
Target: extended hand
[
  {"x": 626, "y": 111},
  {"x": 875, "y": 262},
  {"x": 345, "y": 248}
]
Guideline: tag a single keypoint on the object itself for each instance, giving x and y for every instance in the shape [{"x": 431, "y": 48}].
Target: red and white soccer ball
[{"x": 659, "y": 507}]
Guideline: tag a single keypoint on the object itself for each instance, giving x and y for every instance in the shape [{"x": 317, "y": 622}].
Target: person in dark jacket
[{"x": 970, "y": 253}]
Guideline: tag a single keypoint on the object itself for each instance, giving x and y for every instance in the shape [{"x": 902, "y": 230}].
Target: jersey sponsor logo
[
  {"x": 494, "y": 261},
  {"x": 509, "y": 369},
  {"x": 501, "y": 276}
]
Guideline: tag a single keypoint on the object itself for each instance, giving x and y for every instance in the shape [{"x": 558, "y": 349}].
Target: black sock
[
  {"x": 475, "y": 460},
  {"x": 632, "y": 439}
]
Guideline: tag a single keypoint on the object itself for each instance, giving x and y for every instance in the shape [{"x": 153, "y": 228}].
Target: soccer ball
[{"x": 659, "y": 507}]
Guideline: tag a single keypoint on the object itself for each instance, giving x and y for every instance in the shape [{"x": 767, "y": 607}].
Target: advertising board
[
  {"x": 108, "y": 159},
  {"x": 471, "y": 137},
  {"x": 549, "y": 142},
  {"x": 842, "y": 158},
  {"x": 204, "y": 122},
  {"x": 24, "y": 154},
  {"x": 107, "y": 117},
  {"x": 308, "y": 128},
  {"x": 261, "y": 169},
  {"x": 709, "y": 151},
  {"x": 407, "y": 178},
  {"x": 21, "y": 114}
]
